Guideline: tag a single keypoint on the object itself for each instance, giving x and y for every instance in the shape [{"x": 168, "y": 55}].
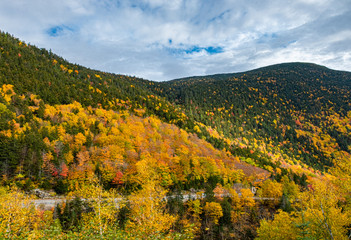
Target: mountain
[
  {"x": 56, "y": 81},
  {"x": 299, "y": 109},
  {"x": 54, "y": 114},
  {"x": 121, "y": 144},
  {"x": 281, "y": 116}
]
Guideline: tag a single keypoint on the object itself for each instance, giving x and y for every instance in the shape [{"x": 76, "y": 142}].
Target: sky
[{"x": 167, "y": 39}]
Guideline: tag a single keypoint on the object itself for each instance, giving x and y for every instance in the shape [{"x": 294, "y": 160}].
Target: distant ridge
[{"x": 281, "y": 66}]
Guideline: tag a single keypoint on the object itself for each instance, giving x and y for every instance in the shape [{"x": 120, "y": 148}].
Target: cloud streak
[{"x": 162, "y": 40}]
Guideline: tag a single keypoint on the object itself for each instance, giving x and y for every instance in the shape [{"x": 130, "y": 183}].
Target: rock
[{"x": 40, "y": 193}]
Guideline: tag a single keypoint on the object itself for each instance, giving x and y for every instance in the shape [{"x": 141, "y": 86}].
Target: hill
[
  {"x": 54, "y": 113},
  {"x": 96, "y": 136},
  {"x": 282, "y": 116},
  {"x": 299, "y": 109},
  {"x": 56, "y": 81}
]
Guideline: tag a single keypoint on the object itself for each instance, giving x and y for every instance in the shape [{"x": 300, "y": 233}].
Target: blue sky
[{"x": 163, "y": 39}]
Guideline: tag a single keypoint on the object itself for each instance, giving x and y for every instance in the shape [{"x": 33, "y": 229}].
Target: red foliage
[
  {"x": 54, "y": 172},
  {"x": 118, "y": 179},
  {"x": 64, "y": 170}
]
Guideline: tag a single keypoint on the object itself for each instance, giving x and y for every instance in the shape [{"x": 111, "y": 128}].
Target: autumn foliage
[{"x": 263, "y": 154}]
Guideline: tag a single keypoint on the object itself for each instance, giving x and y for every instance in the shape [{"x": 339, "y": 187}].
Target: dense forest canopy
[
  {"x": 283, "y": 130},
  {"x": 288, "y": 105}
]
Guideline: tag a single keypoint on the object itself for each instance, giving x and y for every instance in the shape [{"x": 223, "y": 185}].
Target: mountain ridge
[
  {"x": 268, "y": 67},
  {"x": 258, "y": 101}
]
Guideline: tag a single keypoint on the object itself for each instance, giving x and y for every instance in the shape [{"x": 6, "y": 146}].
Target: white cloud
[{"x": 136, "y": 37}]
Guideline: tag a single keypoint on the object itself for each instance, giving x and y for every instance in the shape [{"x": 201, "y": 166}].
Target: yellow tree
[
  {"x": 271, "y": 192},
  {"x": 147, "y": 206},
  {"x": 236, "y": 206},
  {"x": 282, "y": 227},
  {"x": 246, "y": 199},
  {"x": 319, "y": 216},
  {"x": 106, "y": 205},
  {"x": 321, "y": 209},
  {"x": 213, "y": 211},
  {"x": 194, "y": 211},
  {"x": 289, "y": 188},
  {"x": 342, "y": 171},
  {"x": 18, "y": 217}
]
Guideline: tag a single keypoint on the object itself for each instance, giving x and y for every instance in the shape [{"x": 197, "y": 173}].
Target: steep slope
[
  {"x": 56, "y": 81},
  {"x": 62, "y": 124},
  {"x": 65, "y": 146},
  {"x": 280, "y": 116},
  {"x": 299, "y": 108},
  {"x": 95, "y": 135}
]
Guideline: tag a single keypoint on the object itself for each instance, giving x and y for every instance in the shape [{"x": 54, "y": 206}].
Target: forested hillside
[
  {"x": 90, "y": 134},
  {"x": 62, "y": 146},
  {"x": 56, "y": 81},
  {"x": 125, "y": 153},
  {"x": 300, "y": 109},
  {"x": 41, "y": 137}
]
